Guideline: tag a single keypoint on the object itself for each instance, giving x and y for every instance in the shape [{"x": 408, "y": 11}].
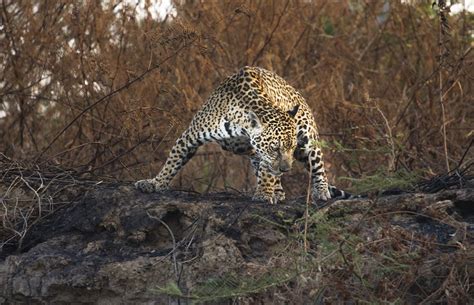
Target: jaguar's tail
[{"x": 340, "y": 194}]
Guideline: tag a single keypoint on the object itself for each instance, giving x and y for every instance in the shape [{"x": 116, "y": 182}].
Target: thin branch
[
  {"x": 173, "y": 251},
  {"x": 114, "y": 92},
  {"x": 443, "y": 53},
  {"x": 269, "y": 38}
]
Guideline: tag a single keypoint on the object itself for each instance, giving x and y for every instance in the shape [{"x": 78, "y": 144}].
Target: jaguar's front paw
[
  {"x": 149, "y": 186},
  {"x": 321, "y": 194},
  {"x": 280, "y": 195},
  {"x": 265, "y": 197},
  {"x": 146, "y": 186}
]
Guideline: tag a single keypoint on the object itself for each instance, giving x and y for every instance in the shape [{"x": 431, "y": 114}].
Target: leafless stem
[
  {"x": 443, "y": 52},
  {"x": 306, "y": 214},
  {"x": 114, "y": 92},
  {"x": 173, "y": 252},
  {"x": 390, "y": 140}
]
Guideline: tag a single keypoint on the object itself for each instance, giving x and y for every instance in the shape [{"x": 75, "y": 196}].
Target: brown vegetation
[
  {"x": 92, "y": 93},
  {"x": 91, "y": 86}
]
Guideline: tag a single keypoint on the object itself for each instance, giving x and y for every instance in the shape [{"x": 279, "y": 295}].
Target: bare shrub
[{"x": 94, "y": 87}]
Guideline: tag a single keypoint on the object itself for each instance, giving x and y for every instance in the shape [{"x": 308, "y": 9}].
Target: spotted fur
[{"x": 255, "y": 113}]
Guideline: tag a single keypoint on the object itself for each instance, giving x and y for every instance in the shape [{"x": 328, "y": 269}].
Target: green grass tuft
[
  {"x": 230, "y": 286},
  {"x": 384, "y": 180}
]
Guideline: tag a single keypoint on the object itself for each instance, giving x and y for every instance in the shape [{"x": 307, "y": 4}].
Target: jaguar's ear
[
  {"x": 254, "y": 121},
  {"x": 293, "y": 111}
]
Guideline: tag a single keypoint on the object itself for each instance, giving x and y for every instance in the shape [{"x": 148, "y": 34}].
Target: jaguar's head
[{"x": 273, "y": 136}]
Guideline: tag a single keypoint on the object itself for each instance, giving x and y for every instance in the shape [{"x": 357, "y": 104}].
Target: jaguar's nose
[{"x": 285, "y": 166}]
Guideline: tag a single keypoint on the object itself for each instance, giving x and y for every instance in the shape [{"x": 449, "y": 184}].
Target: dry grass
[{"x": 107, "y": 94}]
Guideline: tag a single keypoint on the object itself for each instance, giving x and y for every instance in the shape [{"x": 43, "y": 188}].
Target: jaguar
[{"x": 255, "y": 113}]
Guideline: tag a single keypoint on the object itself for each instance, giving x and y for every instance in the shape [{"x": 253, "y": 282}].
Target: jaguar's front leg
[
  {"x": 309, "y": 152},
  {"x": 279, "y": 192},
  {"x": 269, "y": 187},
  {"x": 319, "y": 180},
  {"x": 183, "y": 150},
  {"x": 180, "y": 154}
]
